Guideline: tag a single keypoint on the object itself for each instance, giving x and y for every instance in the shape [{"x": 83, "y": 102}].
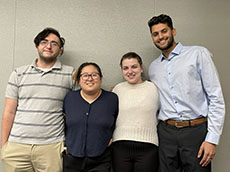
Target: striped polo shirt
[{"x": 40, "y": 94}]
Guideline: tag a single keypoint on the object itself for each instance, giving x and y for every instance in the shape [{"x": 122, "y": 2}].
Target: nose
[
  {"x": 130, "y": 70},
  {"x": 160, "y": 35},
  {"x": 48, "y": 45}
]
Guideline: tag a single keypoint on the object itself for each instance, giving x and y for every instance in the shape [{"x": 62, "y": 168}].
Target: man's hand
[{"x": 208, "y": 150}]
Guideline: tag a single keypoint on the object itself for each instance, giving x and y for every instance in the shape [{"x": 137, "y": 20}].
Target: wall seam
[{"x": 14, "y": 39}]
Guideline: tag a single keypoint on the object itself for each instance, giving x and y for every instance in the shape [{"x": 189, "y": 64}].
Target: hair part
[
  {"x": 77, "y": 73},
  {"x": 162, "y": 18}
]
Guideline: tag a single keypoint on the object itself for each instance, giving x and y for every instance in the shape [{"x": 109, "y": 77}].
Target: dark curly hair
[{"x": 162, "y": 18}]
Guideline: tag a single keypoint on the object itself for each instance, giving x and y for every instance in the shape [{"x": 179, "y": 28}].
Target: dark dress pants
[{"x": 178, "y": 148}]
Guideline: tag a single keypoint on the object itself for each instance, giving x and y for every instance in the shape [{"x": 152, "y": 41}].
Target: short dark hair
[
  {"x": 77, "y": 73},
  {"x": 131, "y": 55},
  {"x": 44, "y": 33},
  {"x": 162, "y": 18}
]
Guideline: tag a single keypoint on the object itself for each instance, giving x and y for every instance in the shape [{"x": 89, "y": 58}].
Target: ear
[
  {"x": 60, "y": 51},
  {"x": 174, "y": 32},
  {"x": 142, "y": 69}
]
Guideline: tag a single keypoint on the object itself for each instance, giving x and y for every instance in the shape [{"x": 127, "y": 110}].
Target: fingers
[
  {"x": 200, "y": 151},
  {"x": 206, "y": 160},
  {"x": 208, "y": 150}
]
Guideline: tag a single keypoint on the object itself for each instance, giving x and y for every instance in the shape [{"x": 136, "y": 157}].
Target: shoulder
[
  {"x": 196, "y": 48},
  {"x": 120, "y": 87},
  {"x": 196, "y": 54},
  {"x": 156, "y": 61},
  {"x": 22, "y": 69},
  {"x": 67, "y": 68},
  {"x": 121, "y": 84},
  {"x": 72, "y": 94},
  {"x": 155, "y": 65},
  {"x": 109, "y": 94},
  {"x": 150, "y": 84}
]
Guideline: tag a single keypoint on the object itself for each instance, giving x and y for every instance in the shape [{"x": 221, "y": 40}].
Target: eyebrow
[{"x": 50, "y": 41}]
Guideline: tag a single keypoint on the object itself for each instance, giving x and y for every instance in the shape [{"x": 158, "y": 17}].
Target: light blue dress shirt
[{"x": 189, "y": 88}]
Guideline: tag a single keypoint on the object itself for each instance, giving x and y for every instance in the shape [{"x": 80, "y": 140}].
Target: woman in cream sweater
[{"x": 135, "y": 141}]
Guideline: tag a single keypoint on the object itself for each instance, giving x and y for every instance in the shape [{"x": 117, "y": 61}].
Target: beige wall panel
[
  {"x": 7, "y": 19},
  {"x": 100, "y": 31},
  {"x": 7, "y": 36}
]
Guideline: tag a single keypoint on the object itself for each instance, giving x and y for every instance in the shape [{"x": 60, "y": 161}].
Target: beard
[
  {"x": 168, "y": 46},
  {"x": 48, "y": 59}
]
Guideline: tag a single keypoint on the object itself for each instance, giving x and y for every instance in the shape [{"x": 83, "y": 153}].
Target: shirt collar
[
  {"x": 57, "y": 65},
  {"x": 175, "y": 51}
]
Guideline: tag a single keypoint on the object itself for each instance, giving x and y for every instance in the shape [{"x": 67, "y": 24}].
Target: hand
[
  {"x": 208, "y": 150},
  {"x": 3, "y": 142}
]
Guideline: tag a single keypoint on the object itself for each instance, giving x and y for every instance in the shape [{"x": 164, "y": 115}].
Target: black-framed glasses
[{"x": 94, "y": 76}]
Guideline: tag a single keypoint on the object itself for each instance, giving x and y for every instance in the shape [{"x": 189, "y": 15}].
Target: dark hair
[
  {"x": 162, "y": 18},
  {"x": 43, "y": 34},
  {"x": 131, "y": 55},
  {"x": 77, "y": 73}
]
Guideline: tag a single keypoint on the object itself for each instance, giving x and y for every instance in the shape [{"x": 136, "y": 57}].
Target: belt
[{"x": 181, "y": 124}]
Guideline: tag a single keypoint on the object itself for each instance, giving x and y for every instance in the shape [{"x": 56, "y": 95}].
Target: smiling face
[
  {"x": 49, "y": 49},
  {"x": 90, "y": 80},
  {"x": 131, "y": 70},
  {"x": 163, "y": 37}
]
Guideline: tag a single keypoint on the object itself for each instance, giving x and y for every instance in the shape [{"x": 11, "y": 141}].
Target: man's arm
[
  {"x": 8, "y": 118},
  {"x": 216, "y": 108}
]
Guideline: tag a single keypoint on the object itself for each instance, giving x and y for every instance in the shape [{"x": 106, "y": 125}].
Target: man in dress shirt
[{"x": 192, "y": 106}]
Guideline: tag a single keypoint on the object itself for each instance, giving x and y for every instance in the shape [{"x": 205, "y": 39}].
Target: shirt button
[{"x": 87, "y": 113}]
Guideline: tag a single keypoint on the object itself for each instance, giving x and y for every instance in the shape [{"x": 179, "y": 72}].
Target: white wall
[{"x": 103, "y": 30}]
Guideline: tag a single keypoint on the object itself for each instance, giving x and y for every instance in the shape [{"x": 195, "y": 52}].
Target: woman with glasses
[
  {"x": 90, "y": 114},
  {"x": 135, "y": 141}
]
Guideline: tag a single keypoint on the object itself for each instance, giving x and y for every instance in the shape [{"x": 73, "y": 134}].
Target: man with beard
[
  {"x": 32, "y": 124},
  {"x": 192, "y": 109}
]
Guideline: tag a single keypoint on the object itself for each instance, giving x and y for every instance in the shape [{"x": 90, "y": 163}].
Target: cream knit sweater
[{"x": 137, "y": 118}]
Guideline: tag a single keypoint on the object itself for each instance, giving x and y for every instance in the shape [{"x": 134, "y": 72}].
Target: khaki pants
[{"x": 18, "y": 157}]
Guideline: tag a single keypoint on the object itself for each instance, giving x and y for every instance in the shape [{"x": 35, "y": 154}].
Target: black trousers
[
  {"x": 100, "y": 163},
  {"x": 178, "y": 148},
  {"x": 131, "y": 156}
]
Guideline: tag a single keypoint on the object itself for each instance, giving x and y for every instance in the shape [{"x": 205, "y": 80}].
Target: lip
[
  {"x": 90, "y": 84},
  {"x": 131, "y": 76},
  {"x": 46, "y": 51},
  {"x": 163, "y": 41}
]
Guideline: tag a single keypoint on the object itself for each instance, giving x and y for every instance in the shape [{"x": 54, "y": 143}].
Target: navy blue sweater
[{"x": 89, "y": 127}]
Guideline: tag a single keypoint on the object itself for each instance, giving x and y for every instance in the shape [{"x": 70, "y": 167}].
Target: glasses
[
  {"x": 94, "y": 76},
  {"x": 52, "y": 43}
]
